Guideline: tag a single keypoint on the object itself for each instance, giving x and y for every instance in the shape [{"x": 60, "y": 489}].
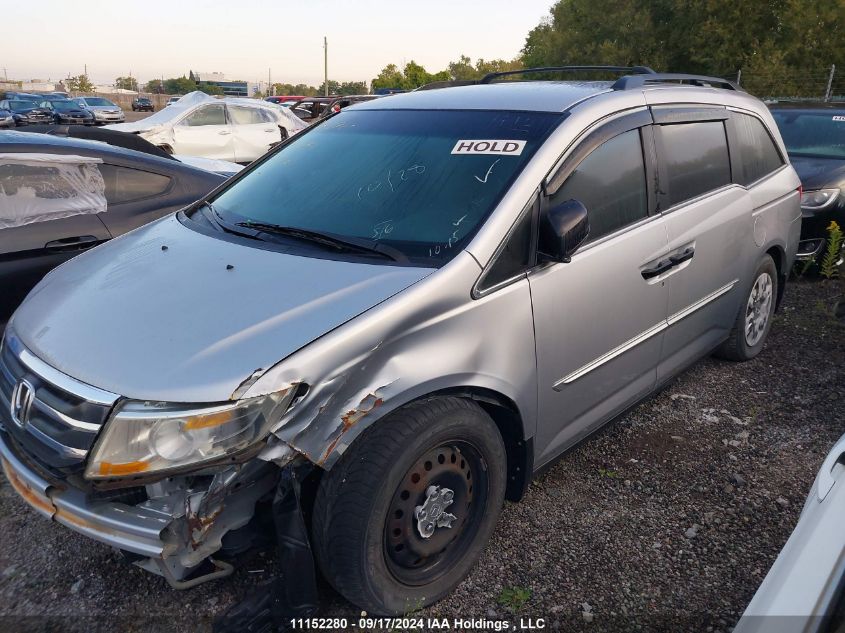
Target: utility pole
[
  {"x": 269, "y": 83},
  {"x": 830, "y": 82},
  {"x": 326, "y": 64},
  {"x": 5, "y": 76}
]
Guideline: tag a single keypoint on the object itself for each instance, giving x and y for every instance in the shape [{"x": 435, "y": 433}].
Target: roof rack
[
  {"x": 634, "y": 70},
  {"x": 632, "y": 82}
]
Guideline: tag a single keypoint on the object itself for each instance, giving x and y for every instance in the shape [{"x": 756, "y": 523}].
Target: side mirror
[{"x": 563, "y": 228}]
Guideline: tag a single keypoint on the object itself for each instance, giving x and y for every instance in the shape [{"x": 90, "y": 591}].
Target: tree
[
  {"x": 209, "y": 89},
  {"x": 126, "y": 83},
  {"x": 179, "y": 86},
  {"x": 154, "y": 86},
  {"x": 783, "y": 47},
  {"x": 353, "y": 88},
  {"x": 80, "y": 83},
  {"x": 298, "y": 90},
  {"x": 334, "y": 87}
]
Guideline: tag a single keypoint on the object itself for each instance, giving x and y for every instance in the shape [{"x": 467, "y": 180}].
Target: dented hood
[{"x": 190, "y": 323}]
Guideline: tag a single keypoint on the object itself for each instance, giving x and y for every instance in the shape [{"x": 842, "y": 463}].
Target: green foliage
[
  {"x": 126, "y": 83},
  {"x": 773, "y": 43},
  {"x": 610, "y": 474},
  {"x": 828, "y": 268},
  {"x": 209, "y": 89},
  {"x": 298, "y": 89},
  {"x": 513, "y": 598},
  {"x": 179, "y": 85},
  {"x": 414, "y": 75},
  {"x": 154, "y": 86},
  {"x": 80, "y": 83}
]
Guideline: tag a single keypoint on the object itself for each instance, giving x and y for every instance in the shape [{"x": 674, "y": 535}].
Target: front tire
[
  {"x": 752, "y": 325},
  {"x": 440, "y": 460}
]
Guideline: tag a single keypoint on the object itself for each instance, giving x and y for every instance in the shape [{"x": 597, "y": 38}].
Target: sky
[{"x": 244, "y": 39}]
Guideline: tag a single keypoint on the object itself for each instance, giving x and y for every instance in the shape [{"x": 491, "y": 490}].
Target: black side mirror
[{"x": 563, "y": 228}]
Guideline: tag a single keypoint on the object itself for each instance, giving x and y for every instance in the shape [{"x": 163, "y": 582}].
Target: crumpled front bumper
[
  {"x": 129, "y": 528},
  {"x": 177, "y": 528}
]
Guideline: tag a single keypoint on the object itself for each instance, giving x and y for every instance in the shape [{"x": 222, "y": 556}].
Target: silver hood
[{"x": 178, "y": 324}]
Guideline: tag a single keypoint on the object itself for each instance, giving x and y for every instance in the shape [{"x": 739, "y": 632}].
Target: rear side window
[
  {"x": 758, "y": 155},
  {"x": 126, "y": 185},
  {"x": 245, "y": 116},
  {"x": 206, "y": 115},
  {"x": 696, "y": 159},
  {"x": 611, "y": 183}
]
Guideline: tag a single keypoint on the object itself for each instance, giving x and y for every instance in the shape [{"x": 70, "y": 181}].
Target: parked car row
[{"x": 39, "y": 109}]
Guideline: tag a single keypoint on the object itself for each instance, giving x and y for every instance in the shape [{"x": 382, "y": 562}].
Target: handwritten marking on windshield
[
  {"x": 461, "y": 219},
  {"x": 404, "y": 175},
  {"x": 489, "y": 171},
  {"x": 382, "y": 228}
]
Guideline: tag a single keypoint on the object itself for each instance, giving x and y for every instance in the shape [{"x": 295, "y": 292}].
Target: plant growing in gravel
[
  {"x": 611, "y": 474},
  {"x": 513, "y": 598},
  {"x": 829, "y": 269}
]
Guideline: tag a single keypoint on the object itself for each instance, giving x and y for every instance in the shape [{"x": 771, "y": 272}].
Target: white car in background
[
  {"x": 804, "y": 591},
  {"x": 233, "y": 129}
]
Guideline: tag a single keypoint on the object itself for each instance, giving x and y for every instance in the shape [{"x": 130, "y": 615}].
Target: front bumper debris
[{"x": 178, "y": 527}]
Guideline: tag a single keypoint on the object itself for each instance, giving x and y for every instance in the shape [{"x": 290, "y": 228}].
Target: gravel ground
[{"x": 668, "y": 519}]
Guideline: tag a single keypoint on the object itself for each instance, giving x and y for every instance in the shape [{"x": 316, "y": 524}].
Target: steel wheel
[
  {"x": 758, "y": 309},
  {"x": 435, "y": 512}
]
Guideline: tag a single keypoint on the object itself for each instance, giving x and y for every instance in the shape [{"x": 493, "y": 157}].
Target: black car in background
[
  {"x": 27, "y": 112},
  {"x": 135, "y": 188},
  {"x": 142, "y": 104},
  {"x": 814, "y": 134},
  {"x": 67, "y": 112},
  {"x": 6, "y": 118}
]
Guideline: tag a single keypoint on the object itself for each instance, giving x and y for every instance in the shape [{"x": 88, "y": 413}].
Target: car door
[
  {"x": 205, "y": 132},
  {"x": 599, "y": 318},
  {"x": 254, "y": 132},
  {"x": 710, "y": 227},
  {"x": 29, "y": 251}
]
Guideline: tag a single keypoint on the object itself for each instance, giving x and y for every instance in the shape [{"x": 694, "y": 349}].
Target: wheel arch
[{"x": 778, "y": 254}]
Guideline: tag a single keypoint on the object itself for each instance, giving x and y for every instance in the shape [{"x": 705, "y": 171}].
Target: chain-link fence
[{"x": 810, "y": 84}]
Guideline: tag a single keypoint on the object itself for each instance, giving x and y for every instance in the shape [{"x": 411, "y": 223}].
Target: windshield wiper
[{"x": 340, "y": 244}]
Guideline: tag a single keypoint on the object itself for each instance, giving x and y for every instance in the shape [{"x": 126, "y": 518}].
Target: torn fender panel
[{"x": 428, "y": 339}]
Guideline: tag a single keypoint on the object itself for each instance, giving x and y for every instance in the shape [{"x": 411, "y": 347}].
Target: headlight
[
  {"x": 151, "y": 437},
  {"x": 819, "y": 199}
]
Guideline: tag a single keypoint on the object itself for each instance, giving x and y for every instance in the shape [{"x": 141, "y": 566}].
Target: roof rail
[
  {"x": 634, "y": 70},
  {"x": 632, "y": 82}
]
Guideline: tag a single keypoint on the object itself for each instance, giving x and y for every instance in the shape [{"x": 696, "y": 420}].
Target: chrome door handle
[{"x": 70, "y": 244}]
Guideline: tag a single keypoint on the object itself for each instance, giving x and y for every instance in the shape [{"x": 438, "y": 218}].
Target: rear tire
[
  {"x": 752, "y": 325},
  {"x": 368, "y": 538}
]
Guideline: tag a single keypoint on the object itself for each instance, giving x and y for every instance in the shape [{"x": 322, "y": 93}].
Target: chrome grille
[{"x": 65, "y": 415}]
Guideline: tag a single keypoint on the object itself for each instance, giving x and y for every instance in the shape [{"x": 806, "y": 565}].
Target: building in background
[{"x": 230, "y": 87}]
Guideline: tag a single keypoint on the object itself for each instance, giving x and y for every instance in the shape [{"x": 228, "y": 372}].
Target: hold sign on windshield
[{"x": 498, "y": 147}]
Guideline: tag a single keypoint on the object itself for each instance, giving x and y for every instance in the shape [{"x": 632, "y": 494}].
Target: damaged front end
[{"x": 171, "y": 527}]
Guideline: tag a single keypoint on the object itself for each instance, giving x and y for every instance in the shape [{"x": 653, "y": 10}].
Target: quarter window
[
  {"x": 611, "y": 183},
  {"x": 206, "y": 115},
  {"x": 758, "y": 155},
  {"x": 696, "y": 159},
  {"x": 245, "y": 116},
  {"x": 125, "y": 185}
]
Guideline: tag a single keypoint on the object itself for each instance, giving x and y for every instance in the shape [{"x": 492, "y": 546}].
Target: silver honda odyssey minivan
[{"x": 407, "y": 310}]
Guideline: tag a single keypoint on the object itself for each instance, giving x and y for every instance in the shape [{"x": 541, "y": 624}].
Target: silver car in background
[
  {"x": 421, "y": 301},
  {"x": 104, "y": 111}
]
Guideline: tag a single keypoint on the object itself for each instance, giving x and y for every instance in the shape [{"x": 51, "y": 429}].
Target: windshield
[
  {"x": 64, "y": 105},
  {"x": 816, "y": 134},
  {"x": 420, "y": 182},
  {"x": 98, "y": 101}
]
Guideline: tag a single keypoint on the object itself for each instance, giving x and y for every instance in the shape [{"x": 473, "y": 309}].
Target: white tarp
[
  {"x": 166, "y": 117},
  {"x": 42, "y": 187}
]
